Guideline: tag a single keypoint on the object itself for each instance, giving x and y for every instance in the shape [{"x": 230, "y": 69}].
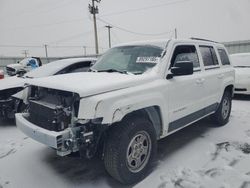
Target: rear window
[
  {"x": 208, "y": 55},
  {"x": 224, "y": 57}
]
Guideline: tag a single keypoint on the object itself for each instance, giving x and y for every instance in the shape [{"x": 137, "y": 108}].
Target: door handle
[
  {"x": 200, "y": 81},
  {"x": 220, "y": 76}
]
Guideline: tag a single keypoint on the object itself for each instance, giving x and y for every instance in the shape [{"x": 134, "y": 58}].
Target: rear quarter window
[{"x": 224, "y": 57}]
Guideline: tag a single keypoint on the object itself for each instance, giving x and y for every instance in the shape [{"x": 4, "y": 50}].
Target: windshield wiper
[{"x": 113, "y": 70}]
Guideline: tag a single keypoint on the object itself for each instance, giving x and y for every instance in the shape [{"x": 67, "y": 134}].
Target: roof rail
[{"x": 193, "y": 38}]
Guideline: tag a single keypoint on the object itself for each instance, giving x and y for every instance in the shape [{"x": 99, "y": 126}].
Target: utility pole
[
  {"x": 175, "y": 33},
  {"x": 94, "y": 10},
  {"x": 109, "y": 27},
  {"x": 46, "y": 51},
  {"x": 85, "y": 50},
  {"x": 26, "y": 53}
]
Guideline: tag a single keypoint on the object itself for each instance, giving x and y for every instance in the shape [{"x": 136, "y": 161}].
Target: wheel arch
[
  {"x": 230, "y": 88},
  {"x": 153, "y": 114}
]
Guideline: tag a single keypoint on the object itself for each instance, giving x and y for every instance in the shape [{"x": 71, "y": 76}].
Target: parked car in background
[
  {"x": 1, "y": 74},
  {"x": 23, "y": 66},
  {"x": 241, "y": 63},
  {"x": 14, "y": 85},
  {"x": 134, "y": 95}
]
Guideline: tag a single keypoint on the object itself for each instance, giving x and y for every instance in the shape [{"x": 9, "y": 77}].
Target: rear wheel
[
  {"x": 221, "y": 116},
  {"x": 130, "y": 150}
]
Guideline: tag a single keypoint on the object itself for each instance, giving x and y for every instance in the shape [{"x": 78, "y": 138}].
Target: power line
[
  {"x": 136, "y": 33},
  {"x": 145, "y": 8},
  {"x": 50, "y": 46},
  {"x": 19, "y": 46},
  {"x": 76, "y": 46},
  {"x": 115, "y": 36},
  {"x": 47, "y": 24},
  {"x": 36, "y": 11},
  {"x": 72, "y": 37}
]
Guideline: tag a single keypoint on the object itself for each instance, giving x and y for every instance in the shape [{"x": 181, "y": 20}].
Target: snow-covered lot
[{"x": 201, "y": 155}]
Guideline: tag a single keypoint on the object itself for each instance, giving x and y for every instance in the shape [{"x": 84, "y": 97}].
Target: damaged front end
[
  {"x": 8, "y": 104},
  {"x": 51, "y": 119}
]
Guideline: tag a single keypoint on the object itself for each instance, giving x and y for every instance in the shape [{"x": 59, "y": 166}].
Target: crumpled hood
[
  {"x": 91, "y": 83},
  {"x": 12, "y": 82}
]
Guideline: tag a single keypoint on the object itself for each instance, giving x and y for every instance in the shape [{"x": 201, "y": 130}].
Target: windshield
[
  {"x": 132, "y": 59},
  {"x": 241, "y": 60}
]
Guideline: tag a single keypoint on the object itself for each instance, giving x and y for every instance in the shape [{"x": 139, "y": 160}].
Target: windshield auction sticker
[{"x": 147, "y": 59}]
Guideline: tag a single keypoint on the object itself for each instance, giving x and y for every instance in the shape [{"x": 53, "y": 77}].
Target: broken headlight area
[
  {"x": 52, "y": 109},
  {"x": 7, "y": 102}
]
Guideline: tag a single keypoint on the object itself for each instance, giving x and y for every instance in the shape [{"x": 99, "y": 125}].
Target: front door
[{"x": 185, "y": 92}]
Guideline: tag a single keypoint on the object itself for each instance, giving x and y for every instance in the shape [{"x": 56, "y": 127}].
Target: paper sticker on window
[{"x": 147, "y": 60}]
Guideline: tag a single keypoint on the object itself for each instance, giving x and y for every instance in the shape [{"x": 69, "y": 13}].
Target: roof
[
  {"x": 163, "y": 42},
  {"x": 160, "y": 43}
]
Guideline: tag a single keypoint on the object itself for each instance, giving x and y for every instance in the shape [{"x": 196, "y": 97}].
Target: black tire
[
  {"x": 119, "y": 144},
  {"x": 222, "y": 114}
]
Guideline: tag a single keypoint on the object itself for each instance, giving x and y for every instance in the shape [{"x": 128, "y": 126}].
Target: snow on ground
[{"x": 200, "y": 156}]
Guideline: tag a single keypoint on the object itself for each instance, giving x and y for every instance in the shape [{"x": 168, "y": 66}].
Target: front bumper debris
[{"x": 50, "y": 138}]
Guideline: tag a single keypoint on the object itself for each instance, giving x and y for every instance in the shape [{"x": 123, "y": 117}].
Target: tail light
[{"x": 1, "y": 74}]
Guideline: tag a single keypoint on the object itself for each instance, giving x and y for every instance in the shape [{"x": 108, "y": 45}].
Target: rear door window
[{"x": 209, "y": 56}]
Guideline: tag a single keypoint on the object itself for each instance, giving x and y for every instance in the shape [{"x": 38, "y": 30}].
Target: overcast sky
[{"x": 29, "y": 24}]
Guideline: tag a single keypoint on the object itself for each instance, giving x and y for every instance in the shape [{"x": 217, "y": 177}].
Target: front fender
[
  {"x": 112, "y": 107},
  {"x": 115, "y": 111}
]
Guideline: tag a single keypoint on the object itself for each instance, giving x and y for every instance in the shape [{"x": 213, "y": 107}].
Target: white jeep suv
[{"x": 134, "y": 95}]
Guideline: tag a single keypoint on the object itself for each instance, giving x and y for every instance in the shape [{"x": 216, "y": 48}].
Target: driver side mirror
[{"x": 181, "y": 68}]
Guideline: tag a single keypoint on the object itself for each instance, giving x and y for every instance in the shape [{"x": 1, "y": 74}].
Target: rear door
[{"x": 213, "y": 76}]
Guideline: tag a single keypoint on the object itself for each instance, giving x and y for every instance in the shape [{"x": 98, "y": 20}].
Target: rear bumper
[
  {"x": 50, "y": 138},
  {"x": 242, "y": 88}
]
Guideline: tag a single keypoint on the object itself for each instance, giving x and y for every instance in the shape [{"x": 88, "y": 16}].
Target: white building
[{"x": 238, "y": 46}]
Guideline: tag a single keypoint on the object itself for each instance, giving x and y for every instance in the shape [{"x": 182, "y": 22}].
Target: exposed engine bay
[
  {"x": 57, "y": 110},
  {"x": 52, "y": 109}
]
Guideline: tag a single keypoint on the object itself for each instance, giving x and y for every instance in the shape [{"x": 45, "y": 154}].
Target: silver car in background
[
  {"x": 241, "y": 63},
  {"x": 11, "y": 88}
]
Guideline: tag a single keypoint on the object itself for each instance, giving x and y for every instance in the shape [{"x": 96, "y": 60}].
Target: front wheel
[
  {"x": 221, "y": 116},
  {"x": 130, "y": 150}
]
